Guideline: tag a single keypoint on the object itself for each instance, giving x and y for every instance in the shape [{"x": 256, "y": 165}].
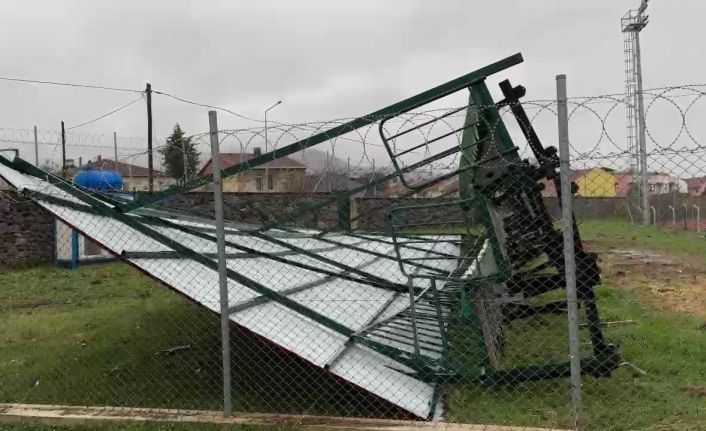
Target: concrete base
[{"x": 75, "y": 415}]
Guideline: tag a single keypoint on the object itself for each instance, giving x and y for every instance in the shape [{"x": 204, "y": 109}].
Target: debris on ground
[{"x": 174, "y": 350}]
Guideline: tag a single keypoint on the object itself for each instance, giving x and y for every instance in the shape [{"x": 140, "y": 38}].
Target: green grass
[
  {"x": 616, "y": 233},
  {"x": 669, "y": 346},
  {"x": 136, "y": 426},
  {"x": 90, "y": 337}
]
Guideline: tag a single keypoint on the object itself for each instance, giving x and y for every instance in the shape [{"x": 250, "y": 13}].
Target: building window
[
  {"x": 258, "y": 184},
  {"x": 270, "y": 182},
  {"x": 651, "y": 187}
]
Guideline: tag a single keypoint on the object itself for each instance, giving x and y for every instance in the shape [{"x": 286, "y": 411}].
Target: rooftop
[{"x": 232, "y": 159}]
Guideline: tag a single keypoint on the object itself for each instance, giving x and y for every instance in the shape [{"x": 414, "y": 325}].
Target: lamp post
[{"x": 271, "y": 107}]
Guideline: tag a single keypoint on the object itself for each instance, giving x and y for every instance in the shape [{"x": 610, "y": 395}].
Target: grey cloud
[{"x": 325, "y": 59}]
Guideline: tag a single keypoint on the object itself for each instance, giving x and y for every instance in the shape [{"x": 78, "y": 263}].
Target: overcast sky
[{"x": 324, "y": 59}]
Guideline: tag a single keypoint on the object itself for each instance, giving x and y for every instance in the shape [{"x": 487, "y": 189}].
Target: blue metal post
[{"x": 74, "y": 249}]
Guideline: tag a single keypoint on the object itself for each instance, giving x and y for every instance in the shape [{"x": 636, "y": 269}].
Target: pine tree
[{"x": 176, "y": 147}]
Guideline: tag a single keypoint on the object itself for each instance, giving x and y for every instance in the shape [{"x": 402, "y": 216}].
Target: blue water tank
[{"x": 94, "y": 179}]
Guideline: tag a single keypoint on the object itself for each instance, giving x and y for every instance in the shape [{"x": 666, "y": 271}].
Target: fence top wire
[{"x": 597, "y": 134}]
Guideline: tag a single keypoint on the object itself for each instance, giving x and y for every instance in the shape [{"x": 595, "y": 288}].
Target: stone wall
[
  {"x": 26, "y": 232},
  {"x": 308, "y": 210},
  {"x": 662, "y": 204},
  {"x": 590, "y": 208},
  {"x": 370, "y": 213},
  {"x": 617, "y": 208}
]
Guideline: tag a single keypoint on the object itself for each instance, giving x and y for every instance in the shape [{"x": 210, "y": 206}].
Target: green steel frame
[
  {"x": 401, "y": 107},
  {"x": 490, "y": 162},
  {"x": 487, "y": 153}
]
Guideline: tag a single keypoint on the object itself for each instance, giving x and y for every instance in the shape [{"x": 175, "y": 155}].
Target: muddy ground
[{"x": 675, "y": 282}]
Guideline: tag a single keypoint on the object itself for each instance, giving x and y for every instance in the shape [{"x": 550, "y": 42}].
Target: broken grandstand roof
[{"x": 294, "y": 296}]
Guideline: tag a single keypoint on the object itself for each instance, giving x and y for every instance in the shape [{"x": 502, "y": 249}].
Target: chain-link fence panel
[
  {"x": 407, "y": 264},
  {"x": 639, "y": 201}
]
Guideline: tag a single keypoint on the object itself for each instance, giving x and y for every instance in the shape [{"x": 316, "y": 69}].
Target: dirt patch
[
  {"x": 695, "y": 390},
  {"x": 674, "y": 283}
]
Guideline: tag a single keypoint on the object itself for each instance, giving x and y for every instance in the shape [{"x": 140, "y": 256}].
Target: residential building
[
  {"x": 658, "y": 183},
  {"x": 282, "y": 175},
  {"x": 592, "y": 182},
  {"x": 135, "y": 177},
  {"x": 603, "y": 182},
  {"x": 696, "y": 186}
]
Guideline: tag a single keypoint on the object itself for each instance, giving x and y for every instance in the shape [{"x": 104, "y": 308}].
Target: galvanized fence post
[
  {"x": 221, "y": 248},
  {"x": 569, "y": 256}
]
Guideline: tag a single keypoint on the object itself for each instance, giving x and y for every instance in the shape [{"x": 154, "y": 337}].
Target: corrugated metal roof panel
[{"x": 354, "y": 304}]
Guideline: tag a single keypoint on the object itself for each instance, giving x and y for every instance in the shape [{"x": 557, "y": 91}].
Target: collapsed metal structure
[{"x": 435, "y": 301}]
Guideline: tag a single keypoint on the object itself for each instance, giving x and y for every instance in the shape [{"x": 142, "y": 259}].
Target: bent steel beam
[{"x": 392, "y": 110}]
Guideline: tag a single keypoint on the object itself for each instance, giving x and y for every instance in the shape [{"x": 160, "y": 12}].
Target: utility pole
[
  {"x": 36, "y": 148},
  {"x": 328, "y": 172},
  {"x": 150, "y": 167},
  {"x": 375, "y": 188},
  {"x": 115, "y": 148},
  {"x": 183, "y": 159},
  {"x": 63, "y": 151}
]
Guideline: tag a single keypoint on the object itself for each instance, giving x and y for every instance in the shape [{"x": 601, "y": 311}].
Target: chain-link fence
[{"x": 408, "y": 264}]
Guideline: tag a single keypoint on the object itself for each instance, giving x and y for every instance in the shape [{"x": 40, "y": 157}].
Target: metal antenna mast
[{"x": 632, "y": 23}]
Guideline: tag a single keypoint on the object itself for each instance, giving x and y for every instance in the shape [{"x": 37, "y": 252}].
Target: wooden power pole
[{"x": 150, "y": 167}]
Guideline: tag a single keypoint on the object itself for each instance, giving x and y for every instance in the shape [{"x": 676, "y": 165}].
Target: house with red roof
[
  {"x": 282, "y": 175},
  {"x": 604, "y": 182},
  {"x": 658, "y": 183},
  {"x": 696, "y": 186}
]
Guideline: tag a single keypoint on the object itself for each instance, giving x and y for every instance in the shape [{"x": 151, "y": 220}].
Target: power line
[
  {"x": 105, "y": 115},
  {"x": 67, "y": 84},
  {"x": 204, "y": 105}
]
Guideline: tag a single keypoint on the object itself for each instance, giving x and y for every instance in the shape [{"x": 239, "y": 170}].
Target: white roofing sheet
[{"x": 351, "y": 303}]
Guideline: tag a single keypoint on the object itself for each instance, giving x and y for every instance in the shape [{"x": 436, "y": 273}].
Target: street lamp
[{"x": 271, "y": 107}]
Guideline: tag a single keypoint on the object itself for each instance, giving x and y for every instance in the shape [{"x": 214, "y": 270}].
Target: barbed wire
[
  {"x": 67, "y": 84},
  {"x": 596, "y": 124}
]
